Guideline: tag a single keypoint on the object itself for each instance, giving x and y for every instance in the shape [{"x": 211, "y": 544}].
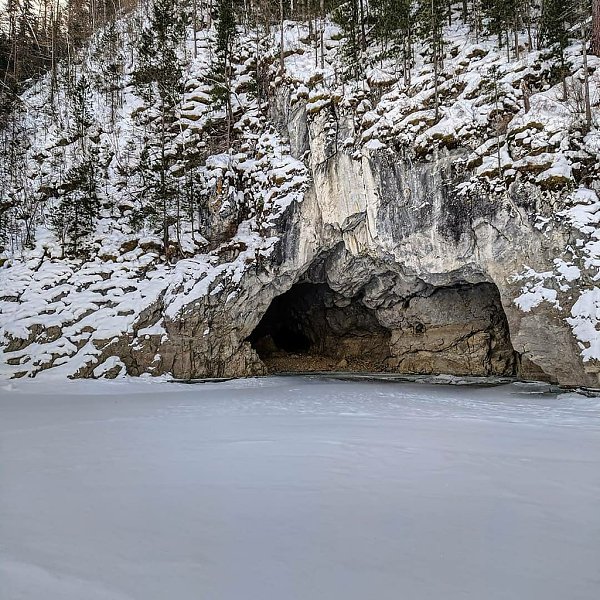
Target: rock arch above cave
[{"x": 460, "y": 330}]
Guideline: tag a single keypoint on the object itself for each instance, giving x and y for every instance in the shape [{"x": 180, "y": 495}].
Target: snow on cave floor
[{"x": 297, "y": 488}]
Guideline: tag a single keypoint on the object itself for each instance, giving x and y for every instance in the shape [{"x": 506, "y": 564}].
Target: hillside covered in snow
[{"x": 181, "y": 171}]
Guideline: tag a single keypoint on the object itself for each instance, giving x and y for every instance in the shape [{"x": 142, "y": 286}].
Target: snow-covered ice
[{"x": 297, "y": 488}]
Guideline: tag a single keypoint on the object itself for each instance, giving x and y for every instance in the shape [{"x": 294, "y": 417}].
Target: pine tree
[
  {"x": 595, "y": 45},
  {"x": 557, "y": 17},
  {"x": 430, "y": 18},
  {"x": 222, "y": 67},
  {"x": 111, "y": 63},
  {"x": 392, "y": 24},
  {"x": 159, "y": 66},
  {"x": 347, "y": 16},
  {"x": 160, "y": 79},
  {"x": 78, "y": 206},
  {"x": 74, "y": 217},
  {"x": 80, "y": 97},
  {"x": 492, "y": 93},
  {"x": 581, "y": 17},
  {"x": 502, "y": 16}
]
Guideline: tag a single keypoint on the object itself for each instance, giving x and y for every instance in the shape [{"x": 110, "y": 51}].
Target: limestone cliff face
[
  {"x": 346, "y": 225},
  {"x": 436, "y": 269}
]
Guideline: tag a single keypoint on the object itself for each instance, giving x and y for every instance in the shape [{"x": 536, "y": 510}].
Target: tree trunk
[
  {"x": 595, "y": 48},
  {"x": 281, "y": 54},
  {"x": 526, "y": 95},
  {"x": 436, "y": 83},
  {"x": 54, "y": 17},
  {"x": 435, "y": 33},
  {"x": 228, "y": 107},
  {"x": 563, "y": 74},
  {"x": 163, "y": 187},
  {"x": 498, "y": 146},
  {"x": 409, "y": 59},
  {"x": 363, "y": 33},
  {"x": 528, "y": 24},
  {"x": 586, "y": 80},
  {"x": 322, "y": 42},
  {"x": 195, "y": 25}
]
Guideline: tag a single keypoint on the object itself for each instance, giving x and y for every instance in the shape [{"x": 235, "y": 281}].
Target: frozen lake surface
[{"x": 297, "y": 488}]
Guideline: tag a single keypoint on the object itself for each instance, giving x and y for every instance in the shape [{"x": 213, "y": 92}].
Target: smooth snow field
[{"x": 297, "y": 488}]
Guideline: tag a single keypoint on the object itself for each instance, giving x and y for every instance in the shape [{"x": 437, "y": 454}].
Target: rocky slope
[{"x": 354, "y": 229}]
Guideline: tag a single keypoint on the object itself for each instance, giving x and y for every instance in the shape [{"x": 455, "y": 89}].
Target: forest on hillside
[
  {"x": 61, "y": 60},
  {"x": 35, "y": 35}
]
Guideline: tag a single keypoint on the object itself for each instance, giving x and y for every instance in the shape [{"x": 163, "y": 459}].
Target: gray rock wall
[{"x": 399, "y": 235}]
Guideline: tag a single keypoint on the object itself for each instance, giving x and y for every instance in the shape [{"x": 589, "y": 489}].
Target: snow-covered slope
[
  {"x": 56, "y": 312},
  {"x": 76, "y": 317}
]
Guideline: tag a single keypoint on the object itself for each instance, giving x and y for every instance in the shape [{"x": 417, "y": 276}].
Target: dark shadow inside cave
[
  {"x": 461, "y": 330},
  {"x": 310, "y": 328}
]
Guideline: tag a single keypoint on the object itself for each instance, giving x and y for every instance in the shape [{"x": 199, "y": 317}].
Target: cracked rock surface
[{"x": 430, "y": 271}]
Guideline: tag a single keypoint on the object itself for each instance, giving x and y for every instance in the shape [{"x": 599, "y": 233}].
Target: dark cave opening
[
  {"x": 311, "y": 328},
  {"x": 460, "y": 330}
]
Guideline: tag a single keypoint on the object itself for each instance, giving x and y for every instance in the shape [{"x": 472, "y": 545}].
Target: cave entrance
[
  {"x": 310, "y": 328},
  {"x": 459, "y": 330}
]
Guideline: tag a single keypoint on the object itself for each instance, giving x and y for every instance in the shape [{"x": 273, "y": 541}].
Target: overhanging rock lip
[
  {"x": 526, "y": 386},
  {"x": 385, "y": 377},
  {"x": 438, "y": 379},
  {"x": 206, "y": 380}
]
